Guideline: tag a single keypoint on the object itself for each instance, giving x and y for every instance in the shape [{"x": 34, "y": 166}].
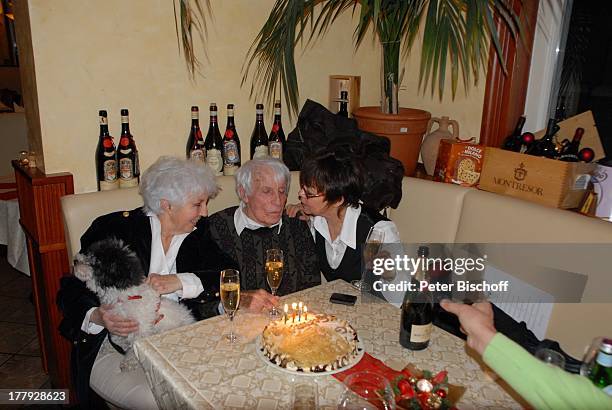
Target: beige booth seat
[{"x": 442, "y": 213}]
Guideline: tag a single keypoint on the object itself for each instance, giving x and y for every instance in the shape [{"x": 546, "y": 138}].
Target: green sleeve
[{"x": 542, "y": 385}]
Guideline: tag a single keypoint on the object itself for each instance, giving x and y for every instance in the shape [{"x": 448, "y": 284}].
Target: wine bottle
[
  {"x": 570, "y": 150},
  {"x": 195, "y": 142},
  {"x": 601, "y": 373},
  {"x": 106, "y": 157},
  {"x": 259, "y": 137},
  {"x": 545, "y": 147},
  {"x": 231, "y": 145},
  {"x": 514, "y": 141},
  {"x": 343, "y": 111},
  {"x": 276, "y": 141},
  {"x": 214, "y": 143},
  {"x": 417, "y": 309},
  {"x": 127, "y": 155}
]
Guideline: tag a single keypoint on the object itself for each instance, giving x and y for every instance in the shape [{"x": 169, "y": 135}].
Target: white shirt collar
[
  {"x": 348, "y": 234},
  {"x": 242, "y": 221},
  {"x": 162, "y": 262}
]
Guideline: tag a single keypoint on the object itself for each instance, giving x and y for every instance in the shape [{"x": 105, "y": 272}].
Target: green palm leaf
[
  {"x": 192, "y": 17},
  {"x": 455, "y": 32}
]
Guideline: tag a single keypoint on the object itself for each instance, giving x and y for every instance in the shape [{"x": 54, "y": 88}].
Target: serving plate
[{"x": 354, "y": 360}]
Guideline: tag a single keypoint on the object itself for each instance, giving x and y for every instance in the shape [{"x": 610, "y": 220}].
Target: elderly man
[{"x": 245, "y": 232}]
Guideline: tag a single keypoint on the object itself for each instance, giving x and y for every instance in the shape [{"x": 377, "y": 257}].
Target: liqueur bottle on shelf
[
  {"x": 343, "y": 111},
  {"x": 214, "y": 143},
  {"x": 259, "y": 137},
  {"x": 514, "y": 141},
  {"x": 276, "y": 141},
  {"x": 106, "y": 157},
  {"x": 546, "y": 147},
  {"x": 231, "y": 144},
  {"x": 417, "y": 309},
  {"x": 127, "y": 155},
  {"x": 195, "y": 142},
  {"x": 570, "y": 149}
]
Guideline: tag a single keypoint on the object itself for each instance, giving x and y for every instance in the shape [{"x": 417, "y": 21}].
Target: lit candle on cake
[
  {"x": 293, "y": 308},
  {"x": 300, "y": 306},
  {"x": 305, "y": 313},
  {"x": 286, "y": 309}
]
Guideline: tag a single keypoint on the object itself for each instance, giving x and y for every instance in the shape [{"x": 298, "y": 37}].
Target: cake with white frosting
[{"x": 319, "y": 343}]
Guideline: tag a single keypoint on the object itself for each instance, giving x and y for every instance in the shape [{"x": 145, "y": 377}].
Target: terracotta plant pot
[{"x": 405, "y": 131}]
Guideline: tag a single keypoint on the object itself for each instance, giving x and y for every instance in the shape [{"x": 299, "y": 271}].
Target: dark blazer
[{"x": 198, "y": 254}]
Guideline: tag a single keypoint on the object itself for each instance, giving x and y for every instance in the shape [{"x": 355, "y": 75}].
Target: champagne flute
[
  {"x": 274, "y": 274},
  {"x": 375, "y": 238},
  {"x": 230, "y": 297}
]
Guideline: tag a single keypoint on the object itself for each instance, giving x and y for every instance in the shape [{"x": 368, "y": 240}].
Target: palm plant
[{"x": 458, "y": 31}]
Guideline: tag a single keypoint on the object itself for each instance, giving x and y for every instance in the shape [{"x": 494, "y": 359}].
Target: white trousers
[{"x": 127, "y": 390}]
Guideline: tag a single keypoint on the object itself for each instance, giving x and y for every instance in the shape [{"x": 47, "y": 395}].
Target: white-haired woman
[{"x": 175, "y": 193}]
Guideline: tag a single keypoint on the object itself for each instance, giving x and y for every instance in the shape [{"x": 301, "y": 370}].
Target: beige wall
[{"x": 115, "y": 54}]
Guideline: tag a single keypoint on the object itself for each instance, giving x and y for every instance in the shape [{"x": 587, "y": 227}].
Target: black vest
[{"x": 350, "y": 266}]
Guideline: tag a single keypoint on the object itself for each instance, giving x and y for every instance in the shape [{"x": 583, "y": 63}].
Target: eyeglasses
[{"x": 307, "y": 195}]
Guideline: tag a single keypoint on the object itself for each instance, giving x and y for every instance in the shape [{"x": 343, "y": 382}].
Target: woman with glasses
[{"x": 331, "y": 188}]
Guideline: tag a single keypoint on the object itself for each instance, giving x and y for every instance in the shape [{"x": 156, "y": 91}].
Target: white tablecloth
[
  {"x": 194, "y": 367},
  {"x": 11, "y": 235}
]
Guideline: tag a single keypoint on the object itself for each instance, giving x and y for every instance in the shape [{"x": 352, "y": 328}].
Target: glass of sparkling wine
[
  {"x": 274, "y": 274},
  {"x": 230, "y": 297},
  {"x": 375, "y": 238}
]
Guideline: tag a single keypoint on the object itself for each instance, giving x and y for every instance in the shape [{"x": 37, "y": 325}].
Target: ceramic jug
[{"x": 431, "y": 142}]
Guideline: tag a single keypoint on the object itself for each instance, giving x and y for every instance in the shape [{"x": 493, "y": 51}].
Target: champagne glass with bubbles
[
  {"x": 274, "y": 274},
  {"x": 230, "y": 297},
  {"x": 374, "y": 240}
]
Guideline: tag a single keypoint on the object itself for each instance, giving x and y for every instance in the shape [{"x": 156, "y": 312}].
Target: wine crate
[
  {"x": 545, "y": 181},
  {"x": 350, "y": 83}
]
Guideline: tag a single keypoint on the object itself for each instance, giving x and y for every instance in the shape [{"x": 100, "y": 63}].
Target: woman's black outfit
[{"x": 201, "y": 257}]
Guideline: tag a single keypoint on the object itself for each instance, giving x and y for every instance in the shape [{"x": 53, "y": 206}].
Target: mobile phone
[{"x": 343, "y": 299}]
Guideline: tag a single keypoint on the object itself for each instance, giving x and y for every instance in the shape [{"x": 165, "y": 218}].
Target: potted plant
[{"x": 454, "y": 31}]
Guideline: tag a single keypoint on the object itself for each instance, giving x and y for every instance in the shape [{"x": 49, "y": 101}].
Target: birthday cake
[{"x": 315, "y": 343}]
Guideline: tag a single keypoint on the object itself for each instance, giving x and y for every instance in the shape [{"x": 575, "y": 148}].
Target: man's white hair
[{"x": 246, "y": 173}]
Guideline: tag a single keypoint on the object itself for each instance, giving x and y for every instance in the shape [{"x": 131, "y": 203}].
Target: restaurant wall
[{"x": 114, "y": 54}]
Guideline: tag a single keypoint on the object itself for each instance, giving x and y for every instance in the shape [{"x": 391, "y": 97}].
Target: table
[
  {"x": 11, "y": 235},
  {"x": 193, "y": 367}
]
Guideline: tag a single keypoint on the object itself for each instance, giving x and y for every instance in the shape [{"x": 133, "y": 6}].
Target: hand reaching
[
  {"x": 115, "y": 324},
  {"x": 257, "y": 300},
  {"x": 476, "y": 321},
  {"x": 164, "y": 284},
  {"x": 296, "y": 211}
]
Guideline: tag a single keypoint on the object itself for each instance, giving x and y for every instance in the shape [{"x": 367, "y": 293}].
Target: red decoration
[
  {"x": 405, "y": 389},
  {"x": 441, "y": 393},
  {"x": 440, "y": 377},
  {"x": 586, "y": 154}
]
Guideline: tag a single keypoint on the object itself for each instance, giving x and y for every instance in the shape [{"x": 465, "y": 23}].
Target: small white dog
[{"x": 114, "y": 273}]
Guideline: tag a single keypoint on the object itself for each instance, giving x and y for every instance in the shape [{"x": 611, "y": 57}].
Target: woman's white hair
[
  {"x": 244, "y": 176},
  {"x": 176, "y": 180}
]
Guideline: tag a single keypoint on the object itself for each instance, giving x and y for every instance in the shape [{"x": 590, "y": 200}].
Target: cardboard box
[
  {"x": 459, "y": 162},
  {"x": 546, "y": 181}
]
